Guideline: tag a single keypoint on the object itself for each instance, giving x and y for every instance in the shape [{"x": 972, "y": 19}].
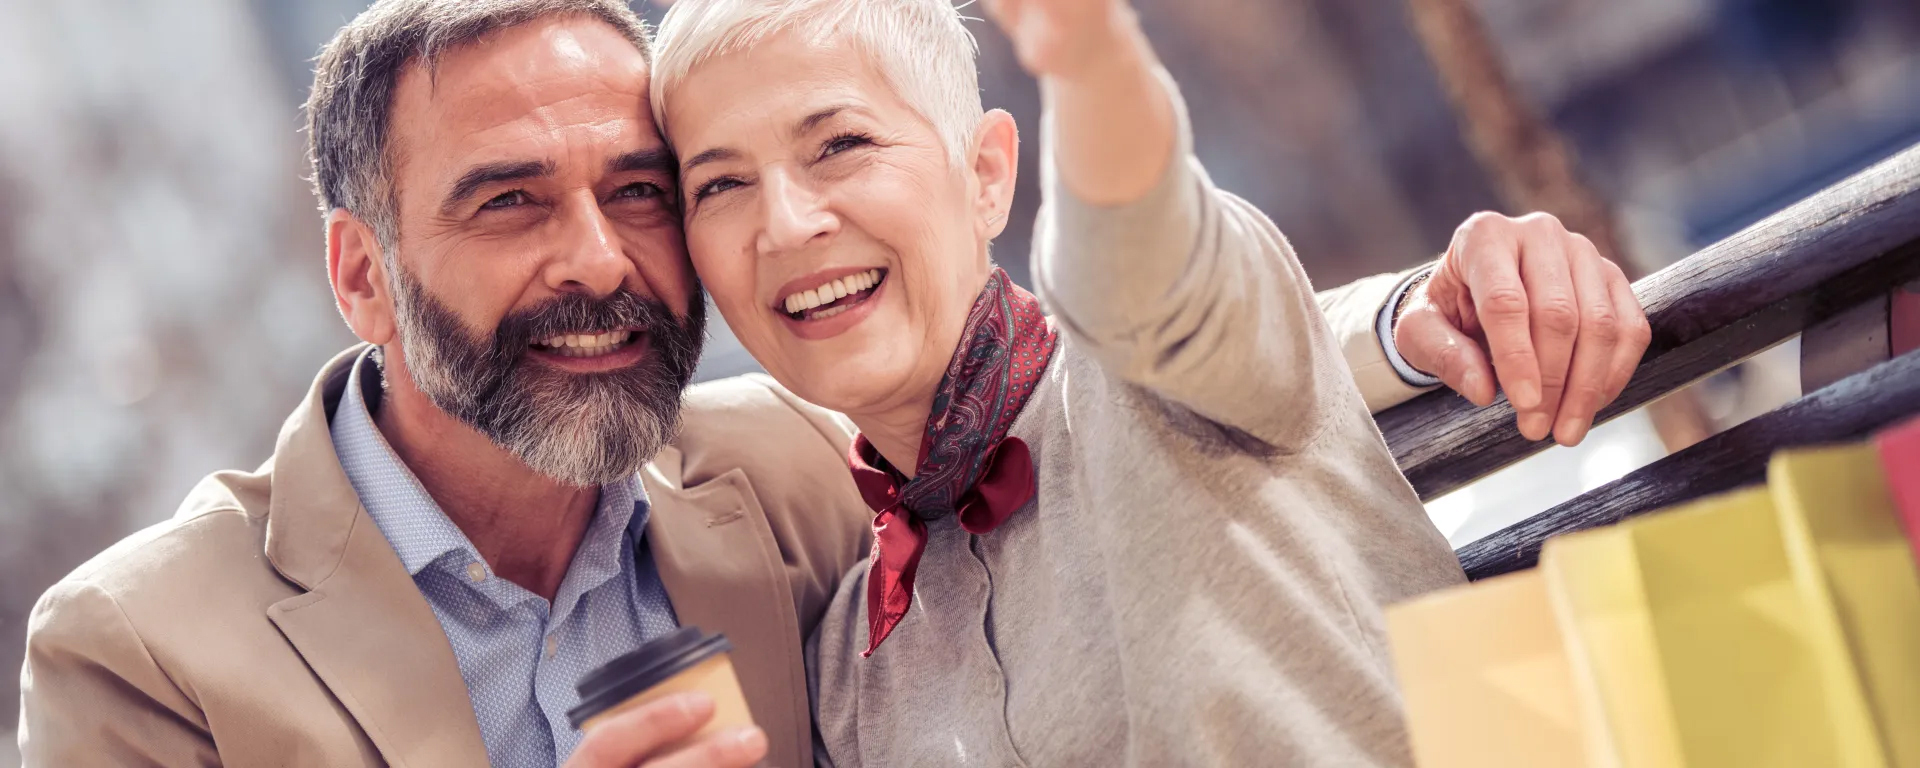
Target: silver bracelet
[{"x": 1383, "y": 328}]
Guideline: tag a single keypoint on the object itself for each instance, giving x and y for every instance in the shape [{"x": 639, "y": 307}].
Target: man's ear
[
  {"x": 359, "y": 277},
  {"x": 996, "y": 166}
]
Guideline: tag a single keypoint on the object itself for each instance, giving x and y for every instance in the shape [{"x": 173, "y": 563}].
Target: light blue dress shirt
[{"x": 520, "y": 655}]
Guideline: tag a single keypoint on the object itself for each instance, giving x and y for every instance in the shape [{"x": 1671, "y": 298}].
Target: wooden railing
[{"x": 1846, "y": 245}]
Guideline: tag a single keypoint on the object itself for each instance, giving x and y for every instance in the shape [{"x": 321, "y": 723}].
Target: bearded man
[
  {"x": 487, "y": 498},
  {"x": 479, "y": 505}
]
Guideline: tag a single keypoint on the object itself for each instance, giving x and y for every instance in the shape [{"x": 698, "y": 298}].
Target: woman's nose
[{"x": 796, "y": 214}]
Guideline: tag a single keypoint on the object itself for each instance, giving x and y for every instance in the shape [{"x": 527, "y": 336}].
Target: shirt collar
[
  {"x": 421, "y": 533},
  {"x": 412, "y": 522},
  {"x": 603, "y": 553}
]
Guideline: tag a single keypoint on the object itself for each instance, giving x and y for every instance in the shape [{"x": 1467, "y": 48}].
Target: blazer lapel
[
  {"x": 362, "y": 625},
  {"x": 722, "y": 569}
]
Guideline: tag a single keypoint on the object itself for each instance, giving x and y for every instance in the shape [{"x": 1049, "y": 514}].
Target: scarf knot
[{"x": 967, "y": 465}]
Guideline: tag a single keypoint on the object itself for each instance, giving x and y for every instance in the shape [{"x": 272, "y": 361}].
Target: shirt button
[
  {"x": 553, "y": 645},
  {"x": 476, "y": 572}
]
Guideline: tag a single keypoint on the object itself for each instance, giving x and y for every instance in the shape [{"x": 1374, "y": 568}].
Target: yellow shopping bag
[
  {"x": 1484, "y": 674},
  {"x": 1855, "y": 568},
  {"x": 1594, "y": 585},
  {"x": 1691, "y": 633}
]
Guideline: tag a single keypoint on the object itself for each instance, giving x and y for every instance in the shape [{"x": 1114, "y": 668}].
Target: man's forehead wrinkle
[
  {"x": 544, "y": 50},
  {"x": 527, "y": 109},
  {"x": 530, "y": 108},
  {"x": 514, "y": 97}
]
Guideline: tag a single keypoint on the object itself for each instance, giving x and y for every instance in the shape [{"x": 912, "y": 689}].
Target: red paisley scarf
[{"x": 968, "y": 465}]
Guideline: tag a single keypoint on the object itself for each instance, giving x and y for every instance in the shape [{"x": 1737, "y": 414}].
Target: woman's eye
[
  {"x": 839, "y": 144},
  {"x": 715, "y": 187},
  {"x": 507, "y": 200}
]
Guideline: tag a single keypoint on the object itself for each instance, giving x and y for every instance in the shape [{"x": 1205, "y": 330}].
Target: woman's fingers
[{"x": 1058, "y": 37}]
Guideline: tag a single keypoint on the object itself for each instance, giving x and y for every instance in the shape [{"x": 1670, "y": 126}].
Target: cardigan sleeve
[{"x": 1193, "y": 294}]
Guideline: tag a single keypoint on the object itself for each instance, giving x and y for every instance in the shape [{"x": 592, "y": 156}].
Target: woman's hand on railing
[{"x": 1525, "y": 302}]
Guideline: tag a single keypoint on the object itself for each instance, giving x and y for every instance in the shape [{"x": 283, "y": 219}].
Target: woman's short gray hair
[
  {"x": 922, "y": 47},
  {"x": 356, "y": 73}
]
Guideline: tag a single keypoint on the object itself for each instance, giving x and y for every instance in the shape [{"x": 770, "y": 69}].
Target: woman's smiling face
[{"x": 827, "y": 220}]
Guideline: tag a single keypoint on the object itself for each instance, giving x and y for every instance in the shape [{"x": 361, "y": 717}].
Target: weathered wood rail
[
  {"x": 1851, "y": 408},
  {"x": 1841, "y": 247}
]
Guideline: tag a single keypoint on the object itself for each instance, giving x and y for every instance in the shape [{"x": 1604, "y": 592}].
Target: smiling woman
[
  {"x": 840, "y": 198},
  {"x": 824, "y": 174},
  {"x": 896, "y": 135}
]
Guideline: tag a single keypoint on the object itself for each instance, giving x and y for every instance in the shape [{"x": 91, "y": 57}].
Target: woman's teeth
[
  {"x": 585, "y": 344},
  {"x": 830, "y": 292}
]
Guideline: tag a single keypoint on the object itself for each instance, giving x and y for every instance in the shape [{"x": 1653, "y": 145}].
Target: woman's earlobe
[
  {"x": 996, "y": 166},
  {"x": 995, "y": 224}
]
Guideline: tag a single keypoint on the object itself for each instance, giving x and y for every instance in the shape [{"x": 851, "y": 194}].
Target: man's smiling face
[{"x": 541, "y": 288}]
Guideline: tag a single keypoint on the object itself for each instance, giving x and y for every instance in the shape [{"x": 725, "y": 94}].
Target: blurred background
[{"x": 163, "y": 301}]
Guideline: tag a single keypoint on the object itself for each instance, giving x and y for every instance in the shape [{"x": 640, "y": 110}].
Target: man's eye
[
  {"x": 844, "y": 142},
  {"x": 506, "y": 200},
  {"x": 715, "y": 187},
  {"x": 641, "y": 190}
]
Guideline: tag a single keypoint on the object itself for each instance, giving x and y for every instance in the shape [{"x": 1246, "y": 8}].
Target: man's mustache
[{"x": 577, "y": 313}]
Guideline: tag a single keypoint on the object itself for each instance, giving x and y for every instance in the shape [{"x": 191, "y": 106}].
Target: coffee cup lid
[{"x": 619, "y": 679}]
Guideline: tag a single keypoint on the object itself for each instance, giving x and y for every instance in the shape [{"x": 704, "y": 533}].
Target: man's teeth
[
  {"x": 831, "y": 291},
  {"x": 586, "y": 344}
]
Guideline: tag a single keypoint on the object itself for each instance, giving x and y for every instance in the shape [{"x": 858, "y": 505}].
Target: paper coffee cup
[{"x": 686, "y": 659}]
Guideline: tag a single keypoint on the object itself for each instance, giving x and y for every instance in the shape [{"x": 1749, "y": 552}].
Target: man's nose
[
  {"x": 588, "y": 257},
  {"x": 795, "y": 214}
]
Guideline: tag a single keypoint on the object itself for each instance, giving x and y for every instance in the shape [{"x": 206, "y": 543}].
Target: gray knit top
[{"x": 1200, "y": 576}]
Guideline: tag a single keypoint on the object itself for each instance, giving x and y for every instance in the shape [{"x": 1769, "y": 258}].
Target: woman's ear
[
  {"x": 359, "y": 276},
  {"x": 996, "y": 166}
]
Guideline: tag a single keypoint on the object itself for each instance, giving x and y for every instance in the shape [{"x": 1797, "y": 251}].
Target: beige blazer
[{"x": 270, "y": 623}]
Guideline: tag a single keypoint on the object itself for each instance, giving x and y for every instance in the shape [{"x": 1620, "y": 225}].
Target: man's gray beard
[{"x": 580, "y": 429}]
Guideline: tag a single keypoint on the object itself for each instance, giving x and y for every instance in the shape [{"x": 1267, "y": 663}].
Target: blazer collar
[
  {"x": 722, "y": 568},
  {"x": 362, "y": 625}
]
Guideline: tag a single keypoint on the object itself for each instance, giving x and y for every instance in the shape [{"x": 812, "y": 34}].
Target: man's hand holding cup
[{"x": 659, "y": 735}]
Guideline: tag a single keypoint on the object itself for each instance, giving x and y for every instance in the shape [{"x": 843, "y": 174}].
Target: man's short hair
[
  {"x": 922, "y": 48},
  {"x": 349, "y": 110}
]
